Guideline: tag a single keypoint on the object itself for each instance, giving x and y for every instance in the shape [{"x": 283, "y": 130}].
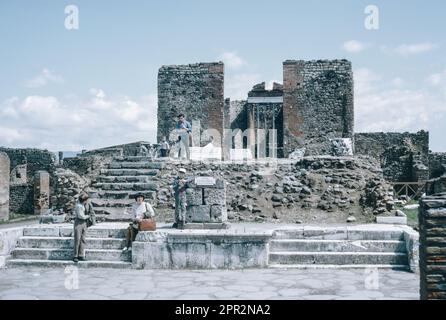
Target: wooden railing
[{"x": 412, "y": 190}]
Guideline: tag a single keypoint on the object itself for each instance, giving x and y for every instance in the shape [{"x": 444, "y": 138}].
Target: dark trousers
[
  {"x": 163, "y": 153},
  {"x": 130, "y": 235},
  {"x": 80, "y": 231}
]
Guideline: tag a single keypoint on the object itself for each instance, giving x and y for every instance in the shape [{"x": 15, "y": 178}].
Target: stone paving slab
[{"x": 352, "y": 284}]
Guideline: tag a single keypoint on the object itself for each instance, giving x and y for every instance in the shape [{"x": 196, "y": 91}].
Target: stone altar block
[
  {"x": 206, "y": 204},
  {"x": 4, "y": 186}
]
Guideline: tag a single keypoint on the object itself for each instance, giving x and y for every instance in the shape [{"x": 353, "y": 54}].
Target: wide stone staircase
[
  {"x": 341, "y": 248},
  {"x": 52, "y": 246},
  {"x": 113, "y": 191}
]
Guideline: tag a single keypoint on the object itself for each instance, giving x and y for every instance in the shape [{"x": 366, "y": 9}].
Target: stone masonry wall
[
  {"x": 432, "y": 221},
  {"x": 22, "y": 197},
  {"x": 22, "y": 194},
  {"x": 437, "y": 164},
  {"x": 197, "y": 90},
  {"x": 400, "y": 154},
  {"x": 317, "y": 105}
]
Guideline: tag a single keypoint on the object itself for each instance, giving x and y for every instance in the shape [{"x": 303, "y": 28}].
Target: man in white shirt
[{"x": 140, "y": 210}]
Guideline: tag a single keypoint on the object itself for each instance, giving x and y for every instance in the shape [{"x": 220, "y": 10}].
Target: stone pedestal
[
  {"x": 41, "y": 192},
  {"x": 432, "y": 221},
  {"x": 4, "y": 186},
  {"x": 206, "y": 204}
]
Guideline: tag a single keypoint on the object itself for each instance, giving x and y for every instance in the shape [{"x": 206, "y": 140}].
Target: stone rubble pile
[
  {"x": 68, "y": 185},
  {"x": 258, "y": 192}
]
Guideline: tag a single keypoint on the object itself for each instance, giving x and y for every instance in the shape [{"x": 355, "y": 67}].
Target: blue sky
[{"x": 96, "y": 86}]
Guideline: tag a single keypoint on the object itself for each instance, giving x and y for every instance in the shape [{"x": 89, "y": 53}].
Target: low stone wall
[
  {"x": 432, "y": 221},
  {"x": 8, "y": 242},
  {"x": 210, "y": 250}
]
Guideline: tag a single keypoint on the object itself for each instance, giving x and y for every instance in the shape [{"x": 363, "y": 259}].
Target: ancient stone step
[
  {"x": 338, "y": 258},
  {"x": 66, "y": 230},
  {"x": 114, "y": 213},
  {"x": 133, "y": 159},
  {"x": 126, "y": 186},
  {"x": 129, "y": 172},
  {"x": 339, "y": 266},
  {"x": 339, "y": 234},
  {"x": 64, "y": 263},
  {"x": 68, "y": 243},
  {"x": 312, "y": 245},
  {"x": 67, "y": 254},
  {"x": 136, "y": 165},
  {"x": 126, "y": 194},
  {"x": 123, "y": 179},
  {"x": 115, "y": 203}
]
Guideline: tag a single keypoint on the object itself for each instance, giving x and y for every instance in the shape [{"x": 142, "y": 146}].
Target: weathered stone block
[
  {"x": 200, "y": 213},
  {"x": 214, "y": 196},
  {"x": 194, "y": 197},
  {"x": 218, "y": 213},
  {"x": 41, "y": 192},
  {"x": 392, "y": 220}
]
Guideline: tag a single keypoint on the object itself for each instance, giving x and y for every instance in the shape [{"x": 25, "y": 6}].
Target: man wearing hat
[
  {"x": 140, "y": 210},
  {"x": 179, "y": 187},
  {"x": 84, "y": 216}
]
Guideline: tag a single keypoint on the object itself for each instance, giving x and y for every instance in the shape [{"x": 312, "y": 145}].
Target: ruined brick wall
[
  {"x": 22, "y": 194},
  {"x": 197, "y": 90},
  {"x": 437, "y": 164},
  {"x": 21, "y": 199},
  {"x": 235, "y": 119},
  {"x": 432, "y": 224},
  {"x": 400, "y": 154},
  {"x": 236, "y": 114},
  {"x": 35, "y": 159},
  {"x": 317, "y": 104}
]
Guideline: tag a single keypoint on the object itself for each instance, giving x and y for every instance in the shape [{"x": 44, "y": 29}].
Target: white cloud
[
  {"x": 398, "y": 82},
  {"x": 380, "y": 108},
  {"x": 232, "y": 60},
  {"x": 354, "y": 46},
  {"x": 44, "y": 78},
  {"x": 437, "y": 79},
  {"x": 73, "y": 123},
  {"x": 410, "y": 49},
  {"x": 237, "y": 86}
]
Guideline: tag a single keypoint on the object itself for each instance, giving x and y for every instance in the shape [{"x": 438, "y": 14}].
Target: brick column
[
  {"x": 432, "y": 221},
  {"x": 4, "y": 186},
  {"x": 41, "y": 192}
]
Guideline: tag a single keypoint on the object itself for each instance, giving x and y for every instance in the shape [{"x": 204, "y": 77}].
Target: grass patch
[{"x": 412, "y": 214}]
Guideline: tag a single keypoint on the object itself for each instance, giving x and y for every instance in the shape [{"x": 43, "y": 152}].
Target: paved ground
[{"x": 38, "y": 283}]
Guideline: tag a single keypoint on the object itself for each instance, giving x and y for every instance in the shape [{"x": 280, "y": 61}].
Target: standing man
[
  {"x": 83, "y": 218},
  {"x": 179, "y": 187},
  {"x": 184, "y": 129}
]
